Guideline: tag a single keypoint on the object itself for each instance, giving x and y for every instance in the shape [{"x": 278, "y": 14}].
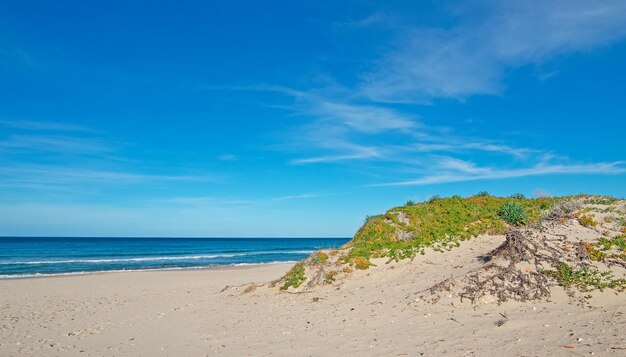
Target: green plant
[
  {"x": 433, "y": 198},
  {"x": 482, "y": 194},
  {"x": 609, "y": 243},
  {"x": 329, "y": 278},
  {"x": 593, "y": 252},
  {"x": 360, "y": 263},
  {"x": 513, "y": 213},
  {"x": 320, "y": 258},
  {"x": 600, "y": 200},
  {"x": 585, "y": 279},
  {"x": 410, "y": 203},
  {"x": 294, "y": 277},
  {"x": 518, "y": 196},
  {"x": 587, "y": 221}
]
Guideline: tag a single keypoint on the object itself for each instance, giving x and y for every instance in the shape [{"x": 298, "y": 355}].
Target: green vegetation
[
  {"x": 593, "y": 252},
  {"x": 513, "y": 213},
  {"x": 294, "y": 277},
  {"x": 433, "y": 199},
  {"x": 603, "y": 248},
  {"x": 609, "y": 243},
  {"x": 482, "y": 194},
  {"x": 585, "y": 279},
  {"x": 410, "y": 203},
  {"x": 518, "y": 196},
  {"x": 587, "y": 221},
  {"x": 359, "y": 263},
  {"x": 599, "y": 200},
  {"x": 329, "y": 278},
  {"x": 320, "y": 258},
  {"x": 439, "y": 223}
]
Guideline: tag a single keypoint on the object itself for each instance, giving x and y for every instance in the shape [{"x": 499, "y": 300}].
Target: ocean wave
[
  {"x": 156, "y": 258},
  {"x": 200, "y": 267}
]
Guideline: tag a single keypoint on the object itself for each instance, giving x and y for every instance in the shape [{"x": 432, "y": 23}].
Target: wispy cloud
[
  {"x": 63, "y": 175},
  {"x": 43, "y": 126},
  {"x": 228, "y": 157},
  {"x": 55, "y": 143},
  {"x": 469, "y": 172},
  {"x": 209, "y": 201},
  {"x": 471, "y": 57},
  {"x": 343, "y": 131},
  {"x": 298, "y": 197}
]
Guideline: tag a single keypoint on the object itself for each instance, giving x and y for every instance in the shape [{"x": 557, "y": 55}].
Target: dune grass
[{"x": 441, "y": 223}]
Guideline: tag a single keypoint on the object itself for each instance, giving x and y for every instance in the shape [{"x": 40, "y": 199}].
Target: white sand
[{"x": 374, "y": 313}]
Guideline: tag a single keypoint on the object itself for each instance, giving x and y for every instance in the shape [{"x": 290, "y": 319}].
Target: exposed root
[{"x": 514, "y": 270}]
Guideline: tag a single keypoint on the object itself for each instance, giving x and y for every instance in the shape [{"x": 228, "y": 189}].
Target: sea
[{"x": 23, "y": 257}]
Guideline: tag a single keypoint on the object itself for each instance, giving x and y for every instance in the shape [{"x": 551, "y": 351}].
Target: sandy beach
[{"x": 173, "y": 313}]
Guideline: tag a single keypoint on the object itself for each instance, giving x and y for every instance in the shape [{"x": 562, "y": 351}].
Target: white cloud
[
  {"x": 56, "y": 177},
  {"x": 471, "y": 57},
  {"x": 228, "y": 157},
  {"x": 55, "y": 143},
  {"x": 298, "y": 197},
  {"x": 42, "y": 126},
  {"x": 462, "y": 173}
]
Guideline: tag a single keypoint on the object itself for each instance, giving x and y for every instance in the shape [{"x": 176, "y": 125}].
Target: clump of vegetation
[
  {"x": 587, "y": 220},
  {"x": 294, "y": 277},
  {"x": 599, "y": 200},
  {"x": 593, "y": 252},
  {"x": 513, "y": 213},
  {"x": 438, "y": 222},
  {"x": 518, "y": 196},
  {"x": 609, "y": 243},
  {"x": 585, "y": 278},
  {"x": 360, "y": 263},
  {"x": 320, "y": 258},
  {"x": 329, "y": 278},
  {"x": 433, "y": 198},
  {"x": 563, "y": 210},
  {"x": 482, "y": 194}
]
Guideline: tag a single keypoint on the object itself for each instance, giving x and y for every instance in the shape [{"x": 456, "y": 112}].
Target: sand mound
[{"x": 578, "y": 245}]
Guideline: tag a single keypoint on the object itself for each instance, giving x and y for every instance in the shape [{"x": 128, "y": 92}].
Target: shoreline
[{"x": 236, "y": 266}]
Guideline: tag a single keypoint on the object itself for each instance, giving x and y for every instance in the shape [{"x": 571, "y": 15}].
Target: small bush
[
  {"x": 518, "y": 196},
  {"x": 513, "y": 213},
  {"x": 593, "y": 252},
  {"x": 433, "y": 199},
  {"x": 294, "y": 277},
  {"x": 585, "y": 278},
  {"x": 563, "y": 209},
  {"x": 608, "y": 243},
  {"x": 587, "y": 221},
  {"x": 320, "y": 258},
  {"x": 329, "y": 278},
  {"x": 482, "y": 194},
  {"x": 360, "y": 263},
  {"x": 410, "y": 203}
]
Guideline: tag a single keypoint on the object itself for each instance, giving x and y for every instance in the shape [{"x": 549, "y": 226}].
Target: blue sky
[{"x": 245, "y": 118}]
